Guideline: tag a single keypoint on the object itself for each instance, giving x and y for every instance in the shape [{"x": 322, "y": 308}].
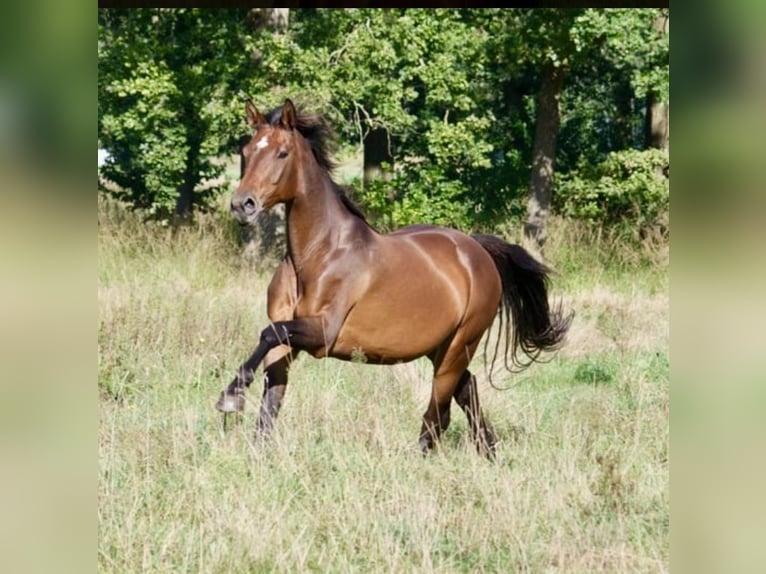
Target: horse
[{"x": 344, "y": 290}]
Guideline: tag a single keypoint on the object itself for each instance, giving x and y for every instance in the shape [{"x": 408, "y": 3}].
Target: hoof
[
  {"x": 426, "y": 444},
  {"x": 229, "y": 403}
]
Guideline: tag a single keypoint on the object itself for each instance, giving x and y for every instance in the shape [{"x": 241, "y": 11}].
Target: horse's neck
[{"x": 316, "y": 221}]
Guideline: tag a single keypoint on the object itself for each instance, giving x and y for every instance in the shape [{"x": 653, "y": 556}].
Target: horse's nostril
[{"x": 249, "y": 205}]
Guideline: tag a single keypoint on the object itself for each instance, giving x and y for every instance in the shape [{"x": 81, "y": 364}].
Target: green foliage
[
  {"x": 594, "y": 371},
  {"x": 627, "y": 40},
  {"x": 616, "y": 59},
  {"x": 165, "y": 104},
  {"x": 422, "y": 75},
  {"x": 454, "y": 89},
  {"x": 628, "y": 190},
  {"x": 417, "y": 195},
  {"x": 146, "y": 142}
]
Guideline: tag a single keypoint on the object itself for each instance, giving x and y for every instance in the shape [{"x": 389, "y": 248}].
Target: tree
[
  {"x": 657, "y": 106},
  {"x": 408, "y": 85},
  {"x": 466, "y": 114},
  {"x": 267, "y": 235},
  {"x": 607, "y": 176},
  {"x": 166, "y": 112},
  {"x": 544, "y": 154},
  {"x": 558, "y": 43}
]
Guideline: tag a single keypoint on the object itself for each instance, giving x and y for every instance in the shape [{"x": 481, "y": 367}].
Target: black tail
[{"x": 536, "y": 327}]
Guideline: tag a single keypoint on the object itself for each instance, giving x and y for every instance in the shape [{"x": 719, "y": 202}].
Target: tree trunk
[
  {"x": 277, "y": 18},
  {"x": 185, "y": 198},
  {"x": 267, "y": 236},
  {"x": 543, "y": 157},
  {"x": 376, "y": 151},
  {"x": 274, "y": 19},
  {"x": 657, "y": 122},
  {"x": 657, "y": 112}
]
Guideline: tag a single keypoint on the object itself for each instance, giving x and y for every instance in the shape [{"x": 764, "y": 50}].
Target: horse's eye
[{"x": 282, "y": 154}]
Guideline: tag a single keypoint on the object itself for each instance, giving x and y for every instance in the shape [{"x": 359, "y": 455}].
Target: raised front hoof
[{"x": 231, "y": 403}]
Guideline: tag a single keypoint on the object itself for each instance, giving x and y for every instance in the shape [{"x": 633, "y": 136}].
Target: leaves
[
  {"x": 627, "y": 190},
  {"x": 454, "y": 89},
  {"x": 165, "y": 83}
]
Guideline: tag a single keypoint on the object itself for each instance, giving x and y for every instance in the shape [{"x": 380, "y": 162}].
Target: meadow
[{"x": 580, "y": 482}]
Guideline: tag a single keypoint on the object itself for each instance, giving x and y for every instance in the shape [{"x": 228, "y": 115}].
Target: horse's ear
[
  {"x": 287, "y": 119},
  {"x": 254, "y": 117}
]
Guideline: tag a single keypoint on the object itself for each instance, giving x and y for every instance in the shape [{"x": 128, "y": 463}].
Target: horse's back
[
  {"x": 451, "y": 249},
  {"x": 424, "y": 282}
]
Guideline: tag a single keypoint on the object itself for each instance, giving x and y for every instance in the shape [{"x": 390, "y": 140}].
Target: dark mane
[
  {"x": 321, "y": 138},
  {"x": 317, "y": 132}
]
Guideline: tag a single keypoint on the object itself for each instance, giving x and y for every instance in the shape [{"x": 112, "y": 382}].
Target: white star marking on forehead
[{"x": 262, "y": 143}]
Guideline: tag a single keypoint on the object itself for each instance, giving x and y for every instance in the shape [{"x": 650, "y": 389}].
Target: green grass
[{"x": 580, "y": 483}]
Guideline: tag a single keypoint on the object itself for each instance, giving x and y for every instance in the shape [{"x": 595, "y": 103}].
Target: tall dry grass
[{"x": 580, "y": 483}]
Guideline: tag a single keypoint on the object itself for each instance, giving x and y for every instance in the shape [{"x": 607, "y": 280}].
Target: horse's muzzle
[{"x": 246, "y": 209}]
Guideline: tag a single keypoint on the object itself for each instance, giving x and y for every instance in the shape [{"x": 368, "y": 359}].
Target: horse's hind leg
[
  {"x": 452, "y": 379},
  {"x": 467, "y": 396},
  {"x": 449, "y": 365},
  {"x": 437, "y": 416}
]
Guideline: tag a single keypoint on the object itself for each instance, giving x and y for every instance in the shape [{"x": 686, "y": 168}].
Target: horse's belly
[{"x": 390, "y": 333}]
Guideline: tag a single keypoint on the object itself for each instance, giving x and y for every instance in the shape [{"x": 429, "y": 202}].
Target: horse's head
[{"x": 271, "y": 163}]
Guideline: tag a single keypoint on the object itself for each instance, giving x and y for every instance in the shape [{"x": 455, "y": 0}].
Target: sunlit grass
[{"x": 580, "y": 483}]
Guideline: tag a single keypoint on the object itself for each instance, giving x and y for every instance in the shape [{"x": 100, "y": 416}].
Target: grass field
[{"x": 580, "y": 483}]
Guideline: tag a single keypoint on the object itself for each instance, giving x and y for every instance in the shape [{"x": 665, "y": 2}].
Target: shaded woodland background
[{"x": 471, "y": 118}]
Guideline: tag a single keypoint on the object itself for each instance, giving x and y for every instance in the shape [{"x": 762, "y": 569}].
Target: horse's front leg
[
  {"x": 276, "y": 366},
  {"x": 232, "y": 400},
  {"x": 282, "y": 297},
  {"x": 298, "y": 334}
]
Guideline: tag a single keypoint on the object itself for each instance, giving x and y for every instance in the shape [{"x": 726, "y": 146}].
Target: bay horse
[{"x": 343, "y": 290}]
